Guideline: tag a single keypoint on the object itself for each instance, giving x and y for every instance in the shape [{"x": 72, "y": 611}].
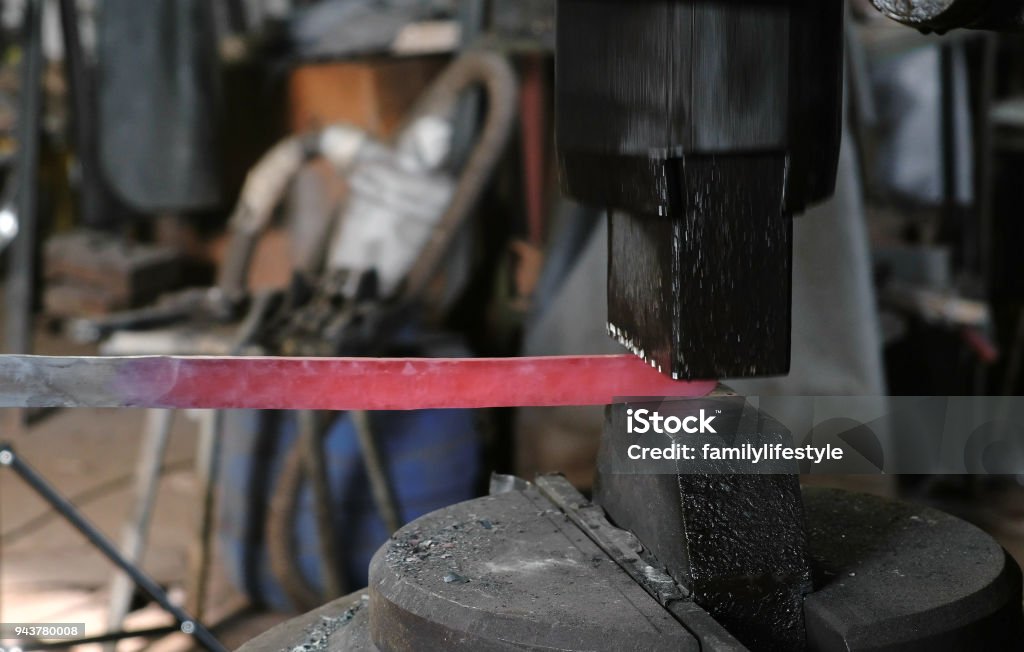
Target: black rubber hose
[
  {"x": 495, "y": 74},
  {"x": 283, "y": 508},
  {"x": 311, "y": 440}
]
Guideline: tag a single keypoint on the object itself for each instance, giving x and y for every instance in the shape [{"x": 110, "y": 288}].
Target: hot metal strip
[{"x": 329, "y": 383}]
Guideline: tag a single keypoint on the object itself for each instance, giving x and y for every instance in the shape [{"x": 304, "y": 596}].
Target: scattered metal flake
[
  {"x": 319, "y": 635},
  {"x": 455, "y": 578}
]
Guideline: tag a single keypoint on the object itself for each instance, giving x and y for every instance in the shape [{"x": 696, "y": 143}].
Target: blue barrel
[{"x": 434, "y": 459}]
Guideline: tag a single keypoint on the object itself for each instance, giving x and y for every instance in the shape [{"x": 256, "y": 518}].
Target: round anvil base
[{"x": 512, "y": 572}]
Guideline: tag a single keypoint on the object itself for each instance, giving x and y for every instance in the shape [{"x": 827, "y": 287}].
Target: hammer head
[
  {"x": 707, "y": 294},
  {"x": 703, "y": 126}
]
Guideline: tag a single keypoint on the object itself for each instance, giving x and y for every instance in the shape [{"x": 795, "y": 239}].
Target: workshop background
[{"x": 161, "y": 194}]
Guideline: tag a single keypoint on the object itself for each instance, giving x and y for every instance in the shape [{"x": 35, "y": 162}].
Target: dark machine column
[{"x": 703, "y": 126}]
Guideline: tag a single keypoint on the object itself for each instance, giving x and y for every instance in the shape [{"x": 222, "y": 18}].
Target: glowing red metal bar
[{"x": 330, "y": 383}]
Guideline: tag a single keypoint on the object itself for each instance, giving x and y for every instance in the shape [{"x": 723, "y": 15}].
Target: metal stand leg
[
  {"x": 22, "y": 262},
  {"x": 83, "y": 118},
  {"x": 136, "y": 529},
  {"x": 207, "y": 463},
  {"x": 376, "y": 470},
  {"x": 64, "y": 507}
]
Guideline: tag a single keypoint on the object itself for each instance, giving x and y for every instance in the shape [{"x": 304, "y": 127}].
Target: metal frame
[{"x": 186, "y": 623}]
